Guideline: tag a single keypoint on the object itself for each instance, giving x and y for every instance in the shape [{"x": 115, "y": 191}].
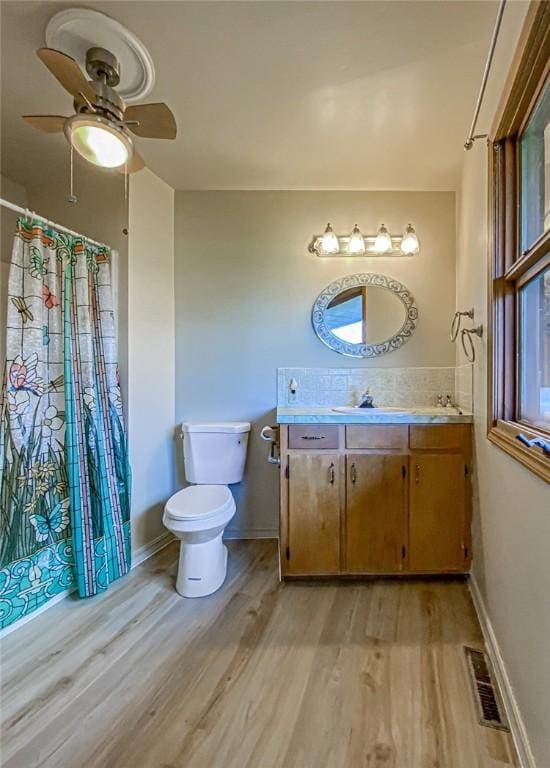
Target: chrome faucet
[{"x": 367, "y": 400}]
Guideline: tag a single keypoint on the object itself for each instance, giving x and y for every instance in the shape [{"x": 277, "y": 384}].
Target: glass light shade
[
  {"x": 329, "y": 241},
  {"x": 382, "y": 242},
  {"x": 99, "y": 141},
  {"x": 409, "y": 243},
  {"x": 356, "y": 243}
]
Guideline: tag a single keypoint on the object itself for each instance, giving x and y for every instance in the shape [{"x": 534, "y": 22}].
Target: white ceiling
[{"x": 278, "y": 95}]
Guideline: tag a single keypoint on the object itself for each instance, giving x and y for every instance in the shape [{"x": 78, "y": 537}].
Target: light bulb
[
  {"x": 329, "y": 241},
  {"x": 99, "y": 141},
  {"x": 99, "y": 146},
  {"x": 356, "y": 243},
  {"x": 382, "y": 242},
  {"x": 409, "y": 243}
]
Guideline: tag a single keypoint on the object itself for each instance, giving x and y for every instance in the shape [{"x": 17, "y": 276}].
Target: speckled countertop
[{"x": 310, "y": 415}]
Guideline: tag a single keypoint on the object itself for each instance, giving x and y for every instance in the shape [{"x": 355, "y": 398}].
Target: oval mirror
[{"x": 364, "y": 315}]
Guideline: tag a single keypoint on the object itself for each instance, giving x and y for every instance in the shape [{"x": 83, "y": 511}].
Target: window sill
[{"x": 504, "y": 435}]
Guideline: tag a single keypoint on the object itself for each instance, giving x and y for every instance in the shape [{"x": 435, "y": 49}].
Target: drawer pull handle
[
  {"x": 331, "y": 474},
  {"x": 313, "y": 437},
  {"x": 417, "y": 473},
  {"x": 353, "y": 474}
]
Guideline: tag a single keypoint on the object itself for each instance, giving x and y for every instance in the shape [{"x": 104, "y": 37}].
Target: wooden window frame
[{"x": 509, "y": 269}]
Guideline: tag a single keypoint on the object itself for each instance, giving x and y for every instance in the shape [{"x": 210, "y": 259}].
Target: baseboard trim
[
  {"x": 29, "y": 617},
  {"x": 138, "y": 557},
  {"x": 517, "y": 726},
  {"x": 252, "y": 533},
  {"x": 147, "y": 550}
]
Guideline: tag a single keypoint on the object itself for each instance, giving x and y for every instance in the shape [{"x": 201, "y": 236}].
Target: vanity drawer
[
  {"x": 443, "y": 436},
  {"x": 313, "y": 436},
  {"x": 390, "y": 437}
]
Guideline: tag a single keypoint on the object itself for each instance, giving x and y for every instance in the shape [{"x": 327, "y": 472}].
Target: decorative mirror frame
[{"x": 364, "y": 350}]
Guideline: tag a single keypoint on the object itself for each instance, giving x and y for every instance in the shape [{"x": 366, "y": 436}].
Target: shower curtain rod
[
  {"x": 472, "y": 136},
  {"x": 28, "y": 212}
]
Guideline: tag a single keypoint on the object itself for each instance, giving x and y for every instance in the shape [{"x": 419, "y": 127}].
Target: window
[
  {"x": 534, "y": 351},
  {"x": 534, "y": 149},
  {"x": 519, "y": 291}
]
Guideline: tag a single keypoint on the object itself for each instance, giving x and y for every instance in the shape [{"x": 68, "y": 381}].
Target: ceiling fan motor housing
[
  {"x": 103, "y": 65},
  {"x": 106, "y": 100}
]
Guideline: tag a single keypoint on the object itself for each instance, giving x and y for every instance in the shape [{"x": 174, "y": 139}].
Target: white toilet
[{"x": 214, "y": 456}]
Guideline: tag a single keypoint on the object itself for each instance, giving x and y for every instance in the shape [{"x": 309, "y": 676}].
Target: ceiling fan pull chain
[
  {"x": 72, "y": 197},
  {"x": 127, "y": 202}
]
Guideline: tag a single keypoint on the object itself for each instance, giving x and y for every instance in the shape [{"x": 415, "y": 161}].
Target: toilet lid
[{"x": 199, "y": 501}]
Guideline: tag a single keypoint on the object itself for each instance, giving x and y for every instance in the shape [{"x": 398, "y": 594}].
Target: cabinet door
[
  {"x": 437, "y": 512},
  {"x": 314, "y": 488},
  {"x": 376, "y": 513}
]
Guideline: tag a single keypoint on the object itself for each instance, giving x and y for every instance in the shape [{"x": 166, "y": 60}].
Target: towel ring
[
  {"x": 467, "y": 342},
  {"x": 457, "y": 319}
]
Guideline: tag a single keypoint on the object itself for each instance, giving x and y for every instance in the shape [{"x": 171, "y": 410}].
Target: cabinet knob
[
  {"x": 417, "y": 473},
  {"x": 353, "y": 473},
  {"x": 331, "y": 474}
]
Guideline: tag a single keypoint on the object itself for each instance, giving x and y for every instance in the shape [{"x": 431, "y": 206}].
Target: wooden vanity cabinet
[
  {"x": 370, "y": 499},
  {"x": 314, "y": 512},
  {"x": 375, "y": 528},
  {"x": 438, "y": 512}
]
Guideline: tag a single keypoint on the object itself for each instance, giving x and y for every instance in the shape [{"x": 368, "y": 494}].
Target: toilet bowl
[
  {"x": 197, "y": 516},
  {"x": 214, "y": 455}
]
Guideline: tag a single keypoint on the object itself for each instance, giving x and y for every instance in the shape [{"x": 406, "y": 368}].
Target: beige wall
[
  {"x": 245, "y": 284},
  {"x": 151, "y": 372},
  {"x": 14, "y": 193},
  {"x": 512, "y": 506}
]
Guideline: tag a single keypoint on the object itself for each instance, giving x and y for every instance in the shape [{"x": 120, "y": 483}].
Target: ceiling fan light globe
[{"x": 98, "y": 141}]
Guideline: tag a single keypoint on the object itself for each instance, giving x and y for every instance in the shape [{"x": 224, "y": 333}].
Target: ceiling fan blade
[
  {"x": 156, "y": 121},
  {"x": 137, "y": 163},
  {"x": 46, "y": 123},
  {"x": 67, "y": 72}
]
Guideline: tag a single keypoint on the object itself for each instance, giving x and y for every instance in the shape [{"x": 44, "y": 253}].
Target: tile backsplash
[{"x": 388, "y": 386}]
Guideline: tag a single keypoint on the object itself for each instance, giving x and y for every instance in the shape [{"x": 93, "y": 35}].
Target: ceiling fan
[{"x": 100, "y": 128}]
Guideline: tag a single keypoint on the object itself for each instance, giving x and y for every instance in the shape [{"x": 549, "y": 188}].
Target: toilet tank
[{"x": 214, "y": 452}]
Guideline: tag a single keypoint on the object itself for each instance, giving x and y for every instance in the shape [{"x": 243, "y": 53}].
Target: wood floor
[{"x": 259, "y": 675}]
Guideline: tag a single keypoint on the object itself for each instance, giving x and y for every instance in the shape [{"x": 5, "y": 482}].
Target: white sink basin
[{"x": 355, "y": 409}]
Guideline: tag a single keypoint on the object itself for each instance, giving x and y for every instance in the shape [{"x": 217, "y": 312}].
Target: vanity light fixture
[
  {"x": 329, "y": 242},
  {"x": 382, "y": 243},
  {"x": 356, "y": 243},
  {"x": 409, "y": 243}
]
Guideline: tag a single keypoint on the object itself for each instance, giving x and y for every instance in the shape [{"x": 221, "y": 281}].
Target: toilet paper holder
[{"x": 271, "y": 435}]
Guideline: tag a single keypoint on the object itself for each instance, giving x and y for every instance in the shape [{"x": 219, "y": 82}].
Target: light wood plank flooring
[{"x": 259, "y": 675}]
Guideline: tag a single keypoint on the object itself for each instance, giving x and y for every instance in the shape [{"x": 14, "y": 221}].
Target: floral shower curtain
[{"x": 65, "y": 480}]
